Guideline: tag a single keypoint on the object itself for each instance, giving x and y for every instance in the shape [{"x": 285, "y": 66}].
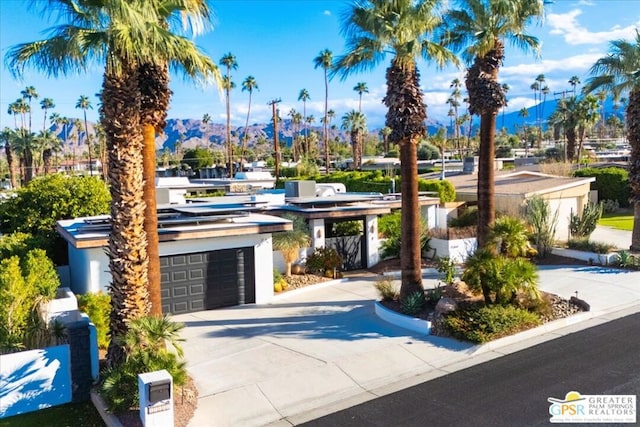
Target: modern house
[
  {"x": 217, "y": 251},
  {"x": 566, "y": 196}
]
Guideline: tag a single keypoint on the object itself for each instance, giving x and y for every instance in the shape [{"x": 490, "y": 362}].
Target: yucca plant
[
  {"x": 289, "y": 244},
  {"x": 413, "y": 304}
]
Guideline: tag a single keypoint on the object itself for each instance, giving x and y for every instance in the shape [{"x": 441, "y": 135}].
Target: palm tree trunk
[
  {"x": 486, "y": 176},
  {"x": 151, "y": 220},
  {"x": 127, "y": 249},
  {"x": 410, "y": 257},
  {"x": 633, "y": 135}
]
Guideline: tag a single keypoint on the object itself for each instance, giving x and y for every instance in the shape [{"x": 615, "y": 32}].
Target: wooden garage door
[{"x": 206, "y": 280}]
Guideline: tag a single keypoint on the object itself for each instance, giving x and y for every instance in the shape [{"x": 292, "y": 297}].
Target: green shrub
[
  {"x": 324, "y": 259},
  {"x": 448, "y": 269},
  {"x": 347, "y": 228},
  {"x": 151, "y": 344},
  {"x": 98, "y": 308},
  {"x": 391, "y": 230},
  {"x": 387, "y": 290},
  {"x": 610, "y": 206},
  {"x": 543, "y": 224},
  {"x": 611, "y": 183},
  {"x": 45, "y": 200},
  {"x": 413, "y": 304},
  {"x": 445, "y": 189},
  {"x": 480, "y": 325},
  {"x": 24, "y": 284},
  {"x": 583, "y": 244},
  {"x": 466, "y": 219},
  {"x": 583, "y": 225}
]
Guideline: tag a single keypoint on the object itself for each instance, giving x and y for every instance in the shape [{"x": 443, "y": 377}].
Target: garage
[{"x": 207, "y": 280}]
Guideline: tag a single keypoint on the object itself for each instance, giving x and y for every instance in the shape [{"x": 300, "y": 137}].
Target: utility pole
[{"x": 276, "y": 143}]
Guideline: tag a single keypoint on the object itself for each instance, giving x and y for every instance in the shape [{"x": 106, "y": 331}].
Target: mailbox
[
  {"x": 156, "y": 399},
  {"x": 159, "y": 390}
]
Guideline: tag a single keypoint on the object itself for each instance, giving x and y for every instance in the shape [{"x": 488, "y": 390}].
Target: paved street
[
  {"x": 513, "y": 390},
  {"x": 323, "y": 349}
]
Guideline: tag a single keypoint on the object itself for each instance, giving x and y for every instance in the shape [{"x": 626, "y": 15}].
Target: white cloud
[
  {"x": 327, "y": 13},
  {"x": 567, "y": 64},
  {"x": 573, "y": 33}
]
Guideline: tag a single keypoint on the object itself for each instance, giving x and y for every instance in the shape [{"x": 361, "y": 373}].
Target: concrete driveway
[{"x": 320, "y": 349}]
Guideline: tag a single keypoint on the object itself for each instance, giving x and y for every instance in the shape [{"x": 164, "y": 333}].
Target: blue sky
[{"x": 276, "y": 40}]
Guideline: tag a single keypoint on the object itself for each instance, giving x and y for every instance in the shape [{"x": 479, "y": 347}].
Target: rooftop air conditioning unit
[{"x": 300, "y": 189}]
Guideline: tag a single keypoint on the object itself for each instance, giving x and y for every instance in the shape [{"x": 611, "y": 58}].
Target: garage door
[{"x": 206, "y": 280}]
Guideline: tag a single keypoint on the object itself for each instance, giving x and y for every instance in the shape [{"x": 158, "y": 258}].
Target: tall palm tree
[
  {"x": 29, "y": 93},
  {"x": 454, "y": 103},
  {"x": 404, "y": 29},
  {"x": 574, "y": 81},
  {"x": 193, "y": 16},
  {"x": 505, "y": 88},
  {"x": 122, "y": 34},
  {"x": 230, "y": 63},
  {"x": 249, "y": 84},
  {"x": 619, "y": 72},
  {"x": 385, "y": 132},
  {"x": 479, "y": 28},
  {"x": 360, "y": 87},
  {"x": 84, "y": 104},
  {"x": 524, "y": 113},
  {"x": 7, "y": 136},
  {"x": 46, "y": 104},
  {"x": 304, "y": 97},
  {"x": 355, "y": 123},
  {"x": 323, "y": 60}
]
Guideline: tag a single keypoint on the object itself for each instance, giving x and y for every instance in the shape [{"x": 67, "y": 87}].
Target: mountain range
[{"x": 194, "y": 132}]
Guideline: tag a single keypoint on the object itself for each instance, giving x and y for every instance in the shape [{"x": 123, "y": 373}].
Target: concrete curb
[
  {"x": 109, "y": 419},
  {"x": 414, "y": 324}
]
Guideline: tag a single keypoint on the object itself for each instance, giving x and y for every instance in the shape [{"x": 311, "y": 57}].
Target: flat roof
[
  {"x": 524, "y": 183},
  {"x": 92, "y": 232}
]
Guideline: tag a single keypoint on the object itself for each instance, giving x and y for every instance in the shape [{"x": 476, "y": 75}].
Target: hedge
[{"x": 611, "y": 183}]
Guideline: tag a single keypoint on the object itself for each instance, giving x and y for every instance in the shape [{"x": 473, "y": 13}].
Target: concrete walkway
[
  {"x": 321, "y": 349},
  {"x": 620, "y": 239}
]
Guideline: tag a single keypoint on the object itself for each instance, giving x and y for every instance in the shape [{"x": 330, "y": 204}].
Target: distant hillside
[{"x": 194, "y": 132}]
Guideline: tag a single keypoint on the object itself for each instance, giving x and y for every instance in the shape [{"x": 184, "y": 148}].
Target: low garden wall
[
  {"x": 456, "y": 249},
  {"x": 42, "y": 378}
]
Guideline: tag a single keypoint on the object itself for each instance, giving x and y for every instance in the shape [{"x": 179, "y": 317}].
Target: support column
[
  {"x": 373, "y": 243},
  {"x": 317, "y": 233}
]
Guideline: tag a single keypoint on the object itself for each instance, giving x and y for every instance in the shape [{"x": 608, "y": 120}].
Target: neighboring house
[{"x": 565, "y": 195}]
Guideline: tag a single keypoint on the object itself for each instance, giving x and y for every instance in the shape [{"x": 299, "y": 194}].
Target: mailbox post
[{"x": 156, "y": 399}]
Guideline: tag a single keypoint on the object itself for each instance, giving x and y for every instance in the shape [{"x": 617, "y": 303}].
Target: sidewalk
[{"x": 322, "y": 348}]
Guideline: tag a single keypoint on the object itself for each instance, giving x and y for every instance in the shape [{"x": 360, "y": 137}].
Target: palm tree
[
  {"x": 355, "y": 123},
  {"x": 154, "y": 103},
  {"x": 29, "y": 93},
  {"x": 385, "y": 132},
  {"x": 7, "y": 136},
  {"x": 574, "y": 81},
  {"x": 505, "y": 88},
  {"x": 289, "y": 243},
  {"x": 454, "y": 103},
  {"x": 46, "y": 104},
  {"x": 479, "y": 28},
  {"x": 249, "y": 84},
  {"x": 360, "y": 87},
  {"x": 324, "y": 60},
  {"x": 304, "y": 97},
  {"x": 619, "y": 73},
  {"x": 404, "y": 29},
  {"x": 84, "y": 103},
  {"x": 230, "y": 63},
  {"x": 123, "y": 34},
  {"x": 524, "y": 113}
]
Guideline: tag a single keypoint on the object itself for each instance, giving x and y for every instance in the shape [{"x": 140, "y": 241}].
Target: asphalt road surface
[{"x": 513, "y": 390}]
